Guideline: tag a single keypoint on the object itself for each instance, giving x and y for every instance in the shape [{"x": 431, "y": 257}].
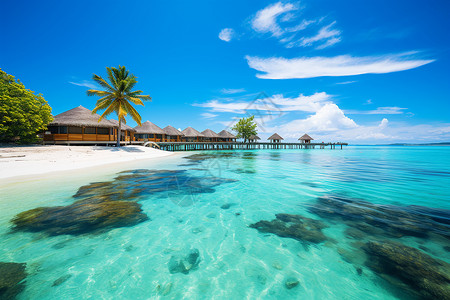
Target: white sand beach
[{"x": 34, "y": 160}]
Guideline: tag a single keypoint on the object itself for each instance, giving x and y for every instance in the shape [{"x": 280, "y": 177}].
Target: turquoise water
[{"x": 205, "y": 202}]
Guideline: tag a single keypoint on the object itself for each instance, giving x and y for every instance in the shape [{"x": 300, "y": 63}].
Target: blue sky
[{"x": 358, "y": 71}]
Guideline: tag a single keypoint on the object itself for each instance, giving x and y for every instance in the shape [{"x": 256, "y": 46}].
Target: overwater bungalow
[
  {"x": 192, "y": 135},
  {"x": 253, "y": 138},
  {"x": 79, "y": 126},
  {"x": 306, "y": 139},
  {"x": 173, "y": 134},
  {"x": 226, "y": 136},
  {"x": 210, "y": 136},
  {"x": 126, "y": 132},
  {"x": 275, "y": 138},
  {"x": 149, "y": 132}
]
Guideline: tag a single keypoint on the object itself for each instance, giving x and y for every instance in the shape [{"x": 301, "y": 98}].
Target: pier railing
[{"x": 196, "y": 146}]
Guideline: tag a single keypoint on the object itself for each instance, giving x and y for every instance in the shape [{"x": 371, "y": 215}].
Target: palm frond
[
  {"x": 111, "y": 77},
  {"x": 136, "y": 101},
  {"x": 107, "y": 112},
  {"x": 134, "y": 113},
  {"x": 102, "y": 82}
]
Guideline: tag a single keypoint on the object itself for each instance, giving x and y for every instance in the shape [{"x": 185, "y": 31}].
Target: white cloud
[
  {"x": 389, "y": 110},
  {"x": 208, "y": 115},
  {"x": 265, "y": 20},
  {"x": 86, "y": 83},
  {"x": 328, "y": 118},
  {"x": 226, "y": 34},
  {"x": 232, "y": 91},
  {"x": 276, "y": 103},
  {"x": 344, "y": 65},
  {"x": 346, "y": 82},
  {"x": 326, "y": 35}
]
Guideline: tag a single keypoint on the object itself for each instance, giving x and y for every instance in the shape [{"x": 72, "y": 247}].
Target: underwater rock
[
  {"x": 136, "y": 184},
  {"x": 84, "y": 216},
  {"x": 291, "y": 283},
  {"x": 293, "y": 226},
  {"x": 427, "y": 276},
  {"x": 227, "y": 205},
  {"x": 61, "y": 280},
  {"x": 388, "y": 220},
  {"x": 11, "y": 279},
  {"x": 178, "y": 264}
]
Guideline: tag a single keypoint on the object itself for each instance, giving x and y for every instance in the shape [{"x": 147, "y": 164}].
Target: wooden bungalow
[
  {"x": 149, "y": 132},
  {"x": 226, "y": 136},
  {"x": 126, "y": 132},
  {"x": 210, "y": 136},
  {"x": 253, "y": 138},
  {"x": 275, "y": 138},
  {"x": 306, "y": 139},
  {"x": 79, "y": 126},
  {"x": 173, "y": 134},
  {"x": 192, "y": 135}
]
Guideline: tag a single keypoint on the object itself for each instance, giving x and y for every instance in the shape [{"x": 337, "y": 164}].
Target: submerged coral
[
  {"x": 384, "y": 220},
  {"x": 135, "y": 184},
  {"x": 84, "y": 216},
  {"x": 293, "y": 226},
  {"x": 184, "y": 264},
  {"x": 427, "y": 276},
  {"x": 12, "y": 277}
]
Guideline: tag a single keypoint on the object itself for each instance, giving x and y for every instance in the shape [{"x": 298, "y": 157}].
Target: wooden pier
[{"x": 197, "y": 146}]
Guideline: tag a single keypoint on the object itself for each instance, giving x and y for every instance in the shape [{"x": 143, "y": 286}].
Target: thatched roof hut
[
  {"x": 172, "y": 131},
  {"x": 275, "y": 137},
  {"x": 123, "y": 125},
  {"x": 254, "y": 138},
  {"x": 305, "y": 137},
  {"x": 80, "y": 117},
  {"x": 191, "y": 132},
  {"x": 227, "y": 135},
  {"x": 149, "y": 128},
  {"x": 208, "y": 133}
]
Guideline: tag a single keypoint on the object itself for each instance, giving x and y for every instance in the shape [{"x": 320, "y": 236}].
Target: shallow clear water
[{"x": 196, "y": 209}]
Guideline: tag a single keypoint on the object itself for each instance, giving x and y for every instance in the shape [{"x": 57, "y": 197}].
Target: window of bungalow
[
  {"x": 89, "y": 130},
  {"x": 53, "y": 129},
  {"x": 102, "y": 130},
  {"x": 75, "y": 130},
  {"x": 62, "y": 129},
  {"x": 159, "y": 136}
]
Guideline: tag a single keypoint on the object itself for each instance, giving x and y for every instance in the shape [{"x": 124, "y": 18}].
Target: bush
[{"x": 22, "y": 113}]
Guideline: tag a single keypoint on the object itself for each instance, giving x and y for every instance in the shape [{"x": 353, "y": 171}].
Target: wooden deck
[{"x": 196, "y": 146}]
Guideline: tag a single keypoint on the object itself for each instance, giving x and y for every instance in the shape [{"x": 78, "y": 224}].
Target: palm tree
[{"x": 118, "y": 96}]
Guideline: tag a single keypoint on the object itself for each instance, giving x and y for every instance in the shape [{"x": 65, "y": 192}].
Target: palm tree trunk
[{"x": 118, "y": 132}]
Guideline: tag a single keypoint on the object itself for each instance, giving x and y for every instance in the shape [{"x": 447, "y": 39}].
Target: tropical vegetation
[
  {"x": 245, "y": 128},
  {"x": 118, "y": 96},
  {"x": 23, "y": 114}
]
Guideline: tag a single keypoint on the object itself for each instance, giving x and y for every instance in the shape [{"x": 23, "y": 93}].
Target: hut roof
[
  {"x": 149, "y": 128},
  {"x": 305, "y": 137},
  {"x": 80, "y": 116},
  {"x": 169, "y": 130},
  {"x": 275, "y": 136},
  {"x": 191, "y": 132},
  {"x": 210, "y": 134},
  {"x": 226, "y": 134},
  {"x": 254, "y": 137},
  {"x": 124, "y": 126}
]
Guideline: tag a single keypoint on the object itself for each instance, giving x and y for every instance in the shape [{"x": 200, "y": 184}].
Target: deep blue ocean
[{"x": 365, "y": 222}]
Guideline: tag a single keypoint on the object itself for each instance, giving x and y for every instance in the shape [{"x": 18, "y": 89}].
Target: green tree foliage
[
  {"x": 22, "y": 113},
  {"x": 245, "y": 128},
  {"x": 118, "y": 95}
]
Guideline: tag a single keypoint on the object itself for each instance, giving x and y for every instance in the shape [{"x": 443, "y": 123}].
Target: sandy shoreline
[{"x": 35, "y": 160}]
